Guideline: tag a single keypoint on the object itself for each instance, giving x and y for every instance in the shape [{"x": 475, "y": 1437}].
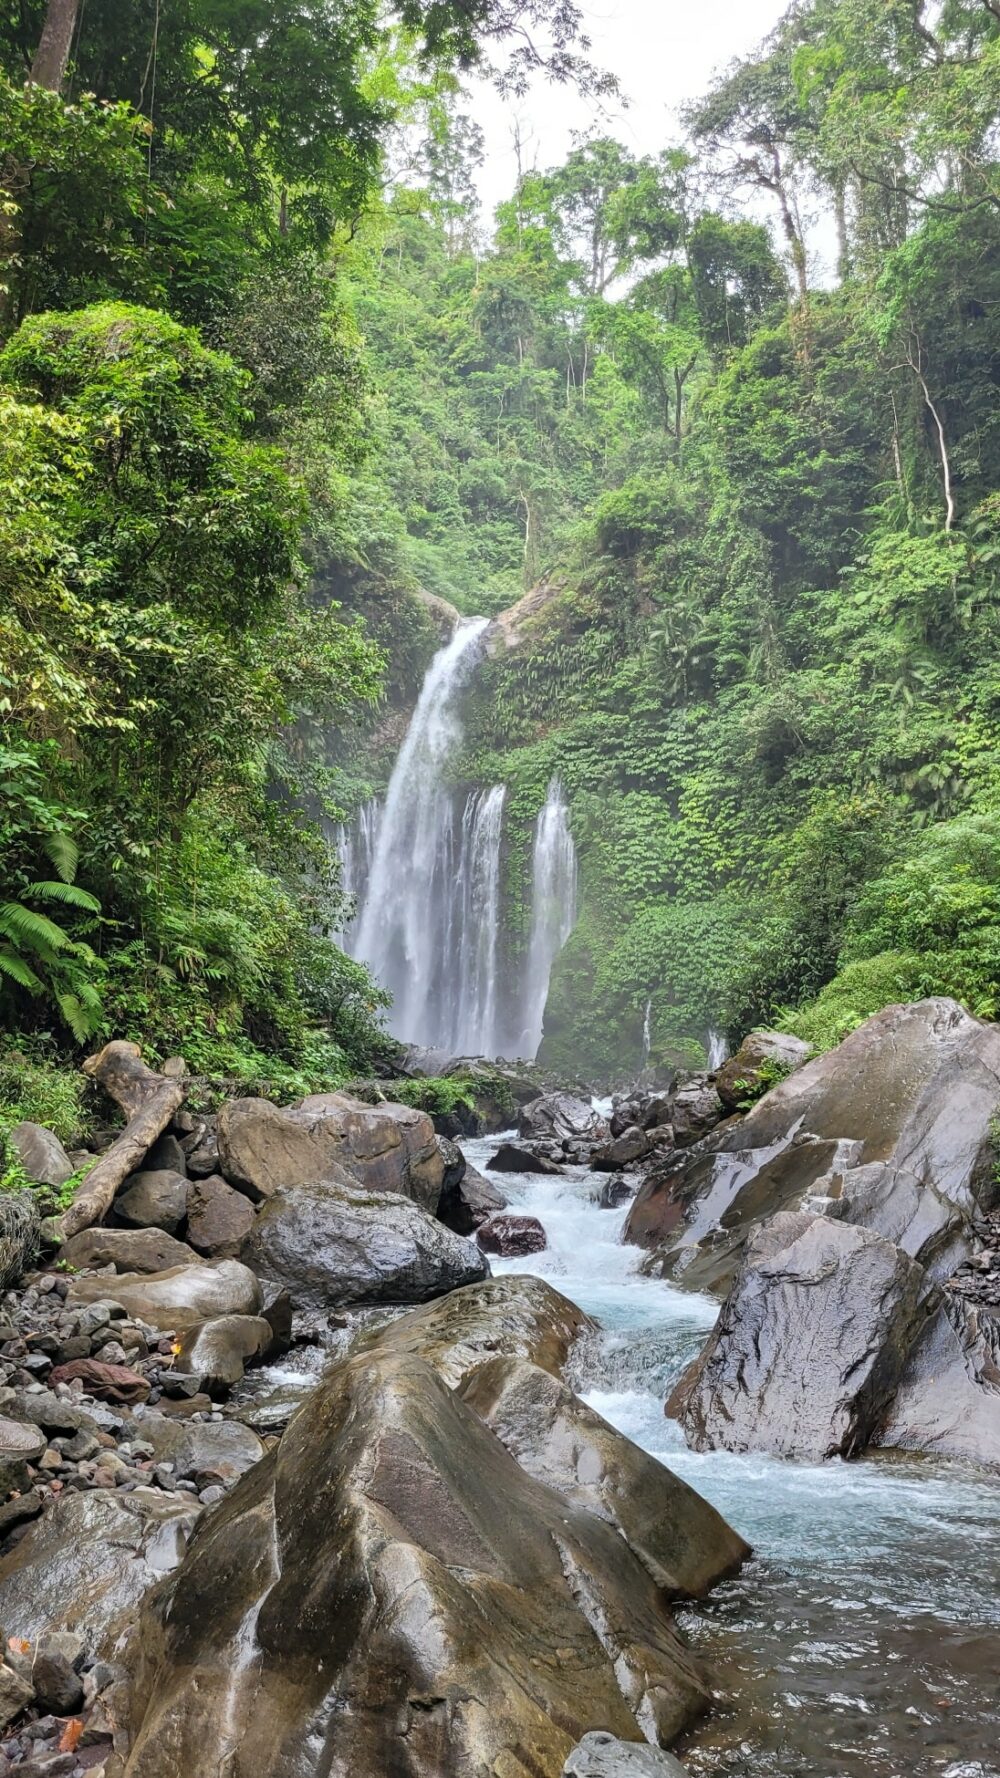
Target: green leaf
[{"x": 68, "y": 893}]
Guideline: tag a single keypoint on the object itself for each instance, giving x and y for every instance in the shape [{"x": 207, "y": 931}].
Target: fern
[
  {"x": 63, "y": 852},
  {"x": 70, "y": 894}
]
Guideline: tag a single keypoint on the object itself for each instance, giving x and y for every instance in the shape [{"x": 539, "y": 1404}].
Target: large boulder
[
  {"x": 891, "y": 1130},
  {"x": 682, "y": 1542},
  {"x": 471, "y": 1202},
  {"x": 762, "y": 1058},
  {"x": 128, "y": 1250},
  {"x": 332, "y": 1243},
  {"x": 948, "y": 1400},
  {"x": 218, "y": 1351},
  {"x": 810, "y": 1346},
  {"x": 512, "y": 1236},
  {"x": 625, "y": 1150},
  {"x": 510, "y": 1157},
  {"x": 153, "y": 1199},
  {"x": 560, "y": 1116},
  {"x": 512, "y": 1317},
  {"x": 384, "y": 1148},
  {"x": 390, "y": 1592},
  {"x": 88, "y": 1562},
  {"x": 175, "y": 1300},
  {"x": 41, "y": 1154},
  {"x": 222, "y": 1449}
]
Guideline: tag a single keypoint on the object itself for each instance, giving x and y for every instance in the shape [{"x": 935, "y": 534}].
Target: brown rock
[
  {"x": 512, "y": 1317},
  {"x": 128, "y": 1250},
  {"x": 384, "y": 1148},
  {"x": 511, "y": 1236},
  {"x": 106, "y": 1382},
  {"x": 762, "y": 1058},
  {"x": 176, "y": 1299},
  {"x": 219, "y": 1218}
]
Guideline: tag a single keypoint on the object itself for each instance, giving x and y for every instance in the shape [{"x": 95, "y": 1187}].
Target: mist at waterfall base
[
  {"x": 863, "y": 1640},
  {"x": 425, "y": 871}
]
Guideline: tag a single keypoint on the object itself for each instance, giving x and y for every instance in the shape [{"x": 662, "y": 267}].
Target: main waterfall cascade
[{"x": 425, "y": 871}]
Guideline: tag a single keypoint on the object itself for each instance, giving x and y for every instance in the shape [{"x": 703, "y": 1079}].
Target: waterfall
[
  {"x": 553, "y": 910},
  {"x": 428, "y": 924},
  {"x": 647, "y": 1033},
  {"x": 718, "y": 1050},
  {"x": 425, "y": 869}
]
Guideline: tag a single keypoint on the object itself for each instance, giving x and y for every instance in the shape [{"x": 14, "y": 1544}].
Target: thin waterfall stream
[{"x": 863, "y": 1640}]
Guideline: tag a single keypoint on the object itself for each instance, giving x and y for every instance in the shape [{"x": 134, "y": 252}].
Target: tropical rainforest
[{"x": 268, "y": 379}]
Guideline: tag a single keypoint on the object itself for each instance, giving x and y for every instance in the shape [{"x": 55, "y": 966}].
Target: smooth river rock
[
  {"x": 153, "y": 1199},
  {"x": 389, "y": 1592},
  {"x": 600, "y": 1755},
  {"x": 384, "y": 1148},
  {"x": 560, "y": 1116},
  {"x": 87, "y": 1563},
  {"x": 682, "y": 1542},
  {"x": 176, "y": 1299},
  {"x": 41, "y": 1154},
  {"x": 511, "y": 1317},
  {"x": 891, "y": 1130},
  {"x": 330, "y": 1244},
  {"x": 128, "y": 1250},
  {"x": 810, "y": 1346}
]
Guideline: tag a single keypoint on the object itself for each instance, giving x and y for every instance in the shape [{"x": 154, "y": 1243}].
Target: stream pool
[{"x": 863, "y": 1639}]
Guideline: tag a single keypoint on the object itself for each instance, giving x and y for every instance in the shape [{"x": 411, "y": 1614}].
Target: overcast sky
[{"x": 664, "y": 52}]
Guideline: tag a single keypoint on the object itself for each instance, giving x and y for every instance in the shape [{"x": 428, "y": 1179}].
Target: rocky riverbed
[{"x": 293, "y": 1484}]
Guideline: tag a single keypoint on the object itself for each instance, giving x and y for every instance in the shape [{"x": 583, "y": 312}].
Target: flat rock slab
[
  {"x": 128, "y": 1250},
  {"x": 810, "y": 1345},
  {"x": 600, "y": 1755},
  {"x": 948, "y": 1400},
  {"x": 178, "y": 1298}
]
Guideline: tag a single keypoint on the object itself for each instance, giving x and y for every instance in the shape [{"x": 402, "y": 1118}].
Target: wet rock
[
  {"x": 913, "y": 1091},
  {"x": 106, "y": 1382},
  {"x": 560, "y": 1116},
  {"x": 948, "y": 1400},
  {"x": 694, "y": 1112},
  {"x": 512, "y": 1236},
  {"x": 600, "y": 1755},
  {"x": 15, "y": 1694},
  {"x": 201, "y": 1150},
  {"x": 21, "y": 1443},
  {"x": 225, "y": 1447},
  {"x": 128, "y": 1250},
  {"x": 177, "y": 1298},
  {"x": 331, "y": 1244},
  {"x": 454, "y": 1167},
  {"x": 384, "y": 1148},
  {"x": 218, "y": 1351},
  {"x": 219, "y": 1218},
  {"x": 166, "y": 1155},
  {"x": 513, "y": 1317},
  {"x": 623, "y": 1151},
  {"x": 90, "y": 1560},
  {"x": 153, "y": 1199},
  {"x": 615, "y": 1192},
  {"x": 510, "y": 1158},
  {"x": 400, "y": 1621},
  {"x": 472, "y": 1202},
  {"x": 762, "y": 1058},
  {"x": 57, "y": 1686},
  {"x": 681, "y": 1541},
  {"x": 651, "y": 1111},
  {"x": 810, "y": 1345},
  {"x": 41, "y": 1154}
]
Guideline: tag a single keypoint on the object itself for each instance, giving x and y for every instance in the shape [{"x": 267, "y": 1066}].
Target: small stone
[
  {"x": 57, "y": 1684},
  {"x": 50, "y": 1460},
  {"x": 208, "y": 1496},
  {"x": 15, "y": 1694}
]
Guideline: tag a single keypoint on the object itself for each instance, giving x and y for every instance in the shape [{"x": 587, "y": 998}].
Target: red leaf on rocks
[{"x": 69, "y": 1740}]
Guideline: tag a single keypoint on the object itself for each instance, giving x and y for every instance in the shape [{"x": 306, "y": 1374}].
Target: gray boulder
[
  {"x": 600, "y": 1755},
  {"x": 560, "y": 1116},
  {"x": 90, "y": 1560},
  {"x": 810, "y": 1346},
  {"x": 472, "y": 1202},
  {"x": 694, "y": 1112},
  {"x": 331, "y": 1243},
  {"x": 21, "y": 1443},
  {"x": 384, "y": 1148},
  {"x": 682, "y": 1542},
  {"x": 512, "y": 1317},
  {"x": 153, "y": 1199},
  {"x": 622, "y": 1151},
  {"x": 911, "y": 1094},
  {"x": 223, "y": 1448},
  {"x": 128, "y": 1250},
  {"x": 948, "y": 1400},
  {"x": 219, "y": 1350},
  {"x": 175, "y": 1300},
  {"x": 41, "y": 1154},
  {"x": 398, "y": 1588},
  {"x": 511, "y": 1158}
]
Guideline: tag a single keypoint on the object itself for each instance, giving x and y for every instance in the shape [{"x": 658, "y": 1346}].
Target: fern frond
[
  {"x": 81, "y": 1020},
  {"x": 64, "y": 853},
  {"x": 15, "y": 967},
  {"x": 68, "y": 893},
  {"x": 28, "y": 928}
]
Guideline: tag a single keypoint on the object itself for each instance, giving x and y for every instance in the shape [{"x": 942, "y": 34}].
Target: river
[{"x": 863, "y": 1639}]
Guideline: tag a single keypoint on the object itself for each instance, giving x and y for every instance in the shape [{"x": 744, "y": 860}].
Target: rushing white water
[
  {"x": 717, "y": 1048},
  {"x": 553, "y": 909},
  {"x": 863, "y": 1641},
  {"x": 647, "y": 1033},
  {"x": 425, "y": 870}
]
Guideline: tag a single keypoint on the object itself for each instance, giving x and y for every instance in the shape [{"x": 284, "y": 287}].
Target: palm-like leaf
[
  {"x": 64, "y": 853},
  {"x": 68, "y": 893},
  {"x": 26, "y": 927},
  {"x": 15, "y": 967}
]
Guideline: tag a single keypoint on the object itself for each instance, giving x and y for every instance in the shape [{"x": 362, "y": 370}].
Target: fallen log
[{"x": 149, "y": 1101}]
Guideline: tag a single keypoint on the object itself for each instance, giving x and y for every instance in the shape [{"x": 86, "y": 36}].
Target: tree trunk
[
  {"x": 149, "y": 1101},
  {"x": 49, "y": 66}
]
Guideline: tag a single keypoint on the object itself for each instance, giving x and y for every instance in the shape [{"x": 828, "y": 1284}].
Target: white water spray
[{"x": 553, "y": 909}]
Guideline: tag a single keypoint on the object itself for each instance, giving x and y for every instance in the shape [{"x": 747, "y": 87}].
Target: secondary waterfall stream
[
  {"x": 863, "y": 1640},
  {"x": 425, "y": 871}
]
